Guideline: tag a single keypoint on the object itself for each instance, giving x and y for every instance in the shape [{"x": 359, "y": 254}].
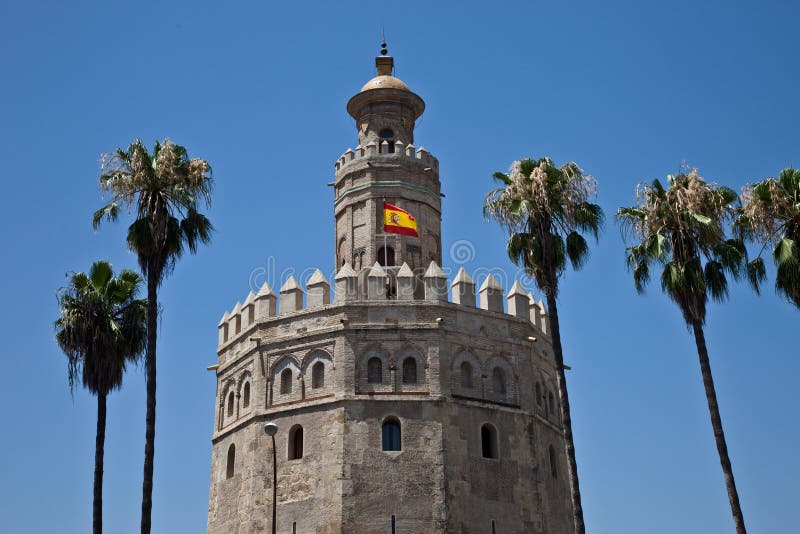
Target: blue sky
[{"x": 629, "y": 90}]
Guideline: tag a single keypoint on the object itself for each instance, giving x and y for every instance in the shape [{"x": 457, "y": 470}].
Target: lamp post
[{"x": 271, "y": 429}]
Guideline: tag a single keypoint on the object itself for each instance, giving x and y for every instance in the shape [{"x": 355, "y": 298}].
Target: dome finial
[{"x": 384, "y": 62}]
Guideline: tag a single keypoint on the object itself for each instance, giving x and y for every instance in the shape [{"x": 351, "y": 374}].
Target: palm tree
[
  {"x": 164, "y": 189},
  {"x": 545, "y": 208},
  {"x": 683, "y": 229},
  {"x": 771, "y": 216},
  {"x": 101, "y": 328}
]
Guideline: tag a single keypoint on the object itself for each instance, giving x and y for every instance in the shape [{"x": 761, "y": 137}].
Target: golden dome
[{"x": 385, "y": 82}]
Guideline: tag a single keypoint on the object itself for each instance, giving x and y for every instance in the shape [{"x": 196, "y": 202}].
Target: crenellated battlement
[
  {"x": 385, "y": 150},
  {"x": 382, "y": 285}
]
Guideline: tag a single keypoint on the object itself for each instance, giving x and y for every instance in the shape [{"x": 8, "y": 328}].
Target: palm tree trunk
[
  {"x": 566, "y": 417},
  {"x": 99, "y": 450},
  {"x": 716, "y": 424},
  {"x": 150, "y": 417}
]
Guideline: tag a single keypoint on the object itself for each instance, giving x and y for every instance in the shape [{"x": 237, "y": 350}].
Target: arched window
[
  {"x": 385, "y": 256},
  {"x": 318, "y": 375},
  {"x": 410, "y": 371},
  {"x": 229, "y": 466},
  {"x": 489, "y": 441},
  {"x": 498, "y": 381},
  {"x": 466, "y": 375},
  {"x": 296, "y": 442},
  {"x": 390, "y": 435},
  {"x": 246, "y": 395},
  {"x": 538, "y": 394},
  {"x": 286, "y": 382},
  {"x": 551, "y": 403},
  {"x": 553, "y": 466},
  {"x": 374, "y": 371},
  {"x": 230, "y": 404},
  {"x": 387, "y": 135}
]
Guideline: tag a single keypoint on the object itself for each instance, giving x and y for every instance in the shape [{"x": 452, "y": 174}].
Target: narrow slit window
[
  {"x": 551, "y": 403},
  {"x": 246, "y": 395},
  {"x": 410, "y": 371},
  {"x": 230, "y": 404},
  {"x": 498, "y": 381},
  {"x": 374, "y": 371},
  {"x": 553, "y": 465},
  {"x": 318, "y": 375},
  {"x": 286, "y": 382},
  {"x": 538, "y": 394},
  {"x": 466, "y": 375},
  {"x": 296, "y": 443},
  {"x": 229, "y": 467}
]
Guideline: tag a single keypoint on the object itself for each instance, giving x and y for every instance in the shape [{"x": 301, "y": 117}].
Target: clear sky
[{"x": 629, "y": 90}]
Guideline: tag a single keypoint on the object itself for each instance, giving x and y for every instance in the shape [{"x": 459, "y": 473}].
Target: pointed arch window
[
  {"x": 230, "y": 404},
  {"x": 286, "y": 382},
  {"x": 318, "y": 375},
  {"x": 374, "y": 371},
  {"x": 551, "y": 403},
  {"x": 410, "y": 371}
]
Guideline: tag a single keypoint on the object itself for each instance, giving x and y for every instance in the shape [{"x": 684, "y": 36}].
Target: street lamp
[{"x": 271, "y": 429}]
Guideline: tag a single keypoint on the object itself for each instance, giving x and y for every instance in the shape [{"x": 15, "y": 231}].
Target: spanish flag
[{"x": 398, "y": 221}]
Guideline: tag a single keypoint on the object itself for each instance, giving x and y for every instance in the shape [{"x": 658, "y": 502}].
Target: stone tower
[
  {"x": 386, "y": 166},
  {"x": 402, "y": 406}
]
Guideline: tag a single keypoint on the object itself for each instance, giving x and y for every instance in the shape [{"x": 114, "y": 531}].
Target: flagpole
[{"x": 385, "y": 249}]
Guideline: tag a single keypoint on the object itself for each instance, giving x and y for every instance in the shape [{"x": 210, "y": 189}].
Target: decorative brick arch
[
  {"x": 245, "y": 391},
  {"x": 363, "y": 357},
  {"x": 309, "y": 364},
  {"x": 409, "y": 351},
  {"x": 457, "y": 381},
  {"x": 290, "y": 363},
  {"x": 499, "y": 364}
]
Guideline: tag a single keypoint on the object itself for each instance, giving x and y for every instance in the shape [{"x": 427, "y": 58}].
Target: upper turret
[{"x": 385, "y": 109}]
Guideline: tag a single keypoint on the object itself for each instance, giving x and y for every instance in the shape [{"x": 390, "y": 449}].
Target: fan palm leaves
[
  {"x": 681, "y": 228},
  {"x": 163, "y": 189},
  {"x": 546, "y": 210},
  {"x": 101, "y": 328},
  {"x": 770, "y": 215}
]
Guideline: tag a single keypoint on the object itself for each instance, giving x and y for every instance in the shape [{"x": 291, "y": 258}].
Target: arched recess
[
  {"x": 317, "y": 373},
  {"x": 285, "y": 369},
  {"x": 465, "y": 375},
  {"x": 373, "y": 371},
  {"x": 501, "y": 383},
  {"x": 411, "y": 368}
]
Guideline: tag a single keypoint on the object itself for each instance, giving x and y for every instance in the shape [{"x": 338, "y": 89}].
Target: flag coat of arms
[{"x": 398, "y": 221}]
